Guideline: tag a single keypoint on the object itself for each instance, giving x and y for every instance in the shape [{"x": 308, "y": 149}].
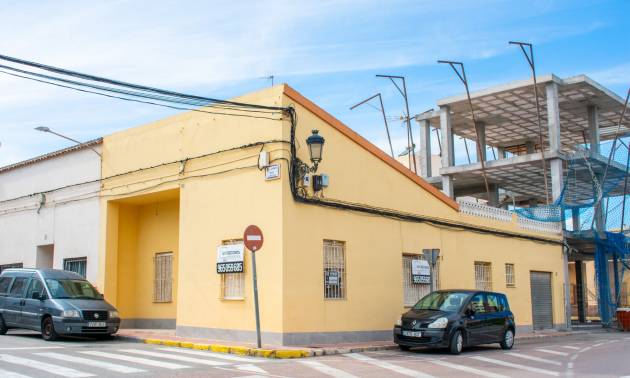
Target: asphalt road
[{"x": 596, "y": 354}]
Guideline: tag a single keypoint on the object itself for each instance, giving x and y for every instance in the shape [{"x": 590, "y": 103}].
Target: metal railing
[
  {"x": 484, "y": 211},
  {"x": 534, "y": 225}
]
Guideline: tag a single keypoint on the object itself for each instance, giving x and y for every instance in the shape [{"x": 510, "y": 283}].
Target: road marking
[
  {"x": 328, "y": 370},
  {"x": 10, "y": 374},
  {"x": 570, "y": 365},
  {"x": 174, "y": 357},
  {"x": 516, "y": 366},
  {"x": 532, "y": 358},
  {"x": 33, "y": 348},
  {"x": 467, "y": 369},
  {"x": 49, "y": 368},
  {"x": 221, "y": 356},
  {"x": 101, "y": 364},
  {"x": 388, "y": 366},
  {"x": 552, "y": 352},
  {"x": 574, "y": 357},
  {"x": 598, "y": 345},
  {"x": 570, "y": 347},
  {"x": 144, "y": 361},
  {"x": 251, "y": 368},
  {"x": 584, "y": 350}
]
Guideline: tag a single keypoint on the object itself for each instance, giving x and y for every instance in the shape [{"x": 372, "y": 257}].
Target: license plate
[
  {"x": 97, "y": 324},
  {"x": 412, "y": 333}
]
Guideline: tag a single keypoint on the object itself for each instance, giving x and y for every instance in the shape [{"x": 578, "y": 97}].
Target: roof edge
[
  {"x": 367, "y": 145},
  {"x": 51, "y": 155}
]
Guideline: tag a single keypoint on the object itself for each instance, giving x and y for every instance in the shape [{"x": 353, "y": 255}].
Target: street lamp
[
  {"x": 45, "y": 129},
  {"x": 315, "y": 144}
]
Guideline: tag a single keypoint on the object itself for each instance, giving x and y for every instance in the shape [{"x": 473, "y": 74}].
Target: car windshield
[
  {"x": 72, "y": 289},
  {"x": 442, "y": 301}
]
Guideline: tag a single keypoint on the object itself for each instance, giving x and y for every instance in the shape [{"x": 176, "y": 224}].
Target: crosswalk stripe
[
  {"x": 468, "y": 369},
  {"x": 534, "y": 358},
  {"x": 388, "y": 366},
  {"x": 548, "y": 351},
  {"x": 328, "y": 370},
  {"x": 570, "y": 347},
  {"x": 250, "y": 368},
  {"x": 516, "y": 366},
  {"x": 138, "y": 360},
  {"x": 175, "y": 357},
  {"x": 10, "y": 374},
  {"x": 49, "y": 368},
  {"x": 220, "y": 356},
  {"x": 84, "y": 361}
]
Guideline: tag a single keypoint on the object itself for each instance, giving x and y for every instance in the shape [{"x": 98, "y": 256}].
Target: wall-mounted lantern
[{"x": 315, "y": 144}]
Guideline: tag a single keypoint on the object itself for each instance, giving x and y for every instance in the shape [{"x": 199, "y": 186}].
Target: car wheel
[
  {"x": 404, "y": 347},
  {"x": 508, "y": 339},
  {"x": 457, "y": 342},
  {"x": 3, "y": 326},
  {"x": 48, "y": 330}
]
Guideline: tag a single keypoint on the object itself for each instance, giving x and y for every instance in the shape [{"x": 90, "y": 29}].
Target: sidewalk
[{"x": 168, "y": 338}]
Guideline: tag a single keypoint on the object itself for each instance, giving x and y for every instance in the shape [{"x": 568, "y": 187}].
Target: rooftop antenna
[
  {"x": 382, "y": 109},
  {"x": 462, "y": 77},
  {"x": 530, "y": 59},
  {"x": 410, "y": 143},
  {"x": 270, "y": 78}
]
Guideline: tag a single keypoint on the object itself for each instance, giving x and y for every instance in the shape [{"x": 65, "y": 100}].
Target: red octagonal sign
[{"x": 253, "y": 238}]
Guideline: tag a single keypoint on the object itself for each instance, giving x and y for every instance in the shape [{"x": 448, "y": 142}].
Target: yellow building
[{"x": 335, "y": 265}]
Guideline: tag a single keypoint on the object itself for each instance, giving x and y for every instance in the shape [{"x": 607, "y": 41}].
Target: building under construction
[{"x": 562, "y": 164}]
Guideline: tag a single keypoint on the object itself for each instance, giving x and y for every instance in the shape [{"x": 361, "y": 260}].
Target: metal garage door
[{"x": 542, "y": 310}]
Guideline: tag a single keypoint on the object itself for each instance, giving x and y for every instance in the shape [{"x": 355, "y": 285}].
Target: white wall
[{"x": 69, "y": 218}]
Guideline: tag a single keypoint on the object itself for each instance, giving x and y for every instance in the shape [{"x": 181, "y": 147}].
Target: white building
[{"x": 49, "y": 211}]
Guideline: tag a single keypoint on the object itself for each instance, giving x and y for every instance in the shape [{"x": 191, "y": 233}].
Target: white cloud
[{"x": 619, "y": 74}]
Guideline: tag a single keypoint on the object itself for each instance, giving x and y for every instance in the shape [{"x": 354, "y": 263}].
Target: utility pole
[{"x": 410, "y": 144}]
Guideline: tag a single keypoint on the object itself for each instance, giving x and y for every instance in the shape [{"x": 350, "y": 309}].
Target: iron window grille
[
  {"x": 483, "y": 276},
  {"x": 510, "y": 277},
  {"x": 413, "y": 292},
  {"x": 334, "y": 269},
  {"x": 77, "y": 265},
  {"x": 233, "y": 284},
  {"x": 163, "y": 277}
]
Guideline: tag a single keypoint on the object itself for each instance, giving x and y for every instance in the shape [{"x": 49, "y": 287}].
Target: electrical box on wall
[
  {"x": 320, "y": 182},
  {"x": 306, "y": 180},
  {"x": 263, "y": 159}
]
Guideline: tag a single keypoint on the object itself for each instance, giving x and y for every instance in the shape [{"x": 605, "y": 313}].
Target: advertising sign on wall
[
  {"x": 420, "y": 271},
  {"x": 230, "y": 258}
]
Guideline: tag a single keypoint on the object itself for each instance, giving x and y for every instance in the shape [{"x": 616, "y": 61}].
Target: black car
[{"x": 456, "y": 318}]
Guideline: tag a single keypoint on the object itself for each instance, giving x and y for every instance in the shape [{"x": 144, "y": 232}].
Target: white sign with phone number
[
  {"x": 420, "y": 271},
  {"x": 230, "y": 258}
]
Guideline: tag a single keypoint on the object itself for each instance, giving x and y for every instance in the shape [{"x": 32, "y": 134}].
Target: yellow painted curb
[
  {"x": 201, "y": 346},
  {"x": 186, "y": 344},
  {"x": 243, "y": 351},
  {"x": 171, "y": 343},
  {"x": 266, "y": 353},
  {"x": 287, "y": 353},
  {"x": 153, "y": 341},
  {"x": 220, "y": 348}
]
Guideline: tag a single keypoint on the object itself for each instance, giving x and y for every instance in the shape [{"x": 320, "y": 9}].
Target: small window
[
  {"x": 5, "y": 282},
  {"x": 412, "y": 292},
  {"x": 35, "y": 286},
  {"x": 77, "y": 265},
  {"x": 163, "y": 278},
  {"x": 510, "y": 279},
  {"x": 18, "y": 287},
  {"x": 233, "y": 284},
  {"x": 483, "y": 276},
  {"x": 10, "y": 266},
  {"x": 334, "y": 269}
]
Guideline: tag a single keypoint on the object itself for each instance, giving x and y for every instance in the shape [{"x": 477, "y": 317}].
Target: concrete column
[
  {"x": 448, "y": 151},
  {"x": 531, "y": 147},
  {"x": 575, "y": 217},
  {"x": 425, "y": 148},
  {"x": 481, "y": 130},
  {"x": 501, "y": 151},
  {"x": 593, "y": 129},
  {"x": 553, "y": 125},
  {"x": 579, "y": 288},
  {"x": 493, "y": 199},
  {"x": 553, "y": 117}
]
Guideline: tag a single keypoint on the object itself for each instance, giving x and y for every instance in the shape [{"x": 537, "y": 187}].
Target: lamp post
[
  {"x": 315, "y": 144},
  {"x": 45, "y": 129}
]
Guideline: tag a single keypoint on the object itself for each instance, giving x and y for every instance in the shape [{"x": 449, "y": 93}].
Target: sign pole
[{"x": 256, "y": 299}]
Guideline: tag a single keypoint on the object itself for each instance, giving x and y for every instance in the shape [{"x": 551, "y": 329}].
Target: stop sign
[{"x": 253, "y": 238}]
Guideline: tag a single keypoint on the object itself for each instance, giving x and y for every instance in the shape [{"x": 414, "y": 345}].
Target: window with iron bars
[
  {"x": 163, "y": 277},
  {"x": 233, "y": 284},
  {"x": 413, "y": 292},
  {"x": 334, "y": 269},
  {"x": 77, "y": 265},
  {"x": 510, "y": 278},
  {"x": 483, "y": 276}
]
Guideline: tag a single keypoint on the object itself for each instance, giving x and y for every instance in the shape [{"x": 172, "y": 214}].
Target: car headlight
[
  {"x": 439, "y": 323},
  {"x": 70, "y": 314},
  {"x": 399, "y": 321},
  {"x": 113, "y": 314}
]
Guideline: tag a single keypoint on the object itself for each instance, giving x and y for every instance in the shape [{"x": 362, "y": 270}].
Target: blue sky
[{"x": 328, "y": 50}]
